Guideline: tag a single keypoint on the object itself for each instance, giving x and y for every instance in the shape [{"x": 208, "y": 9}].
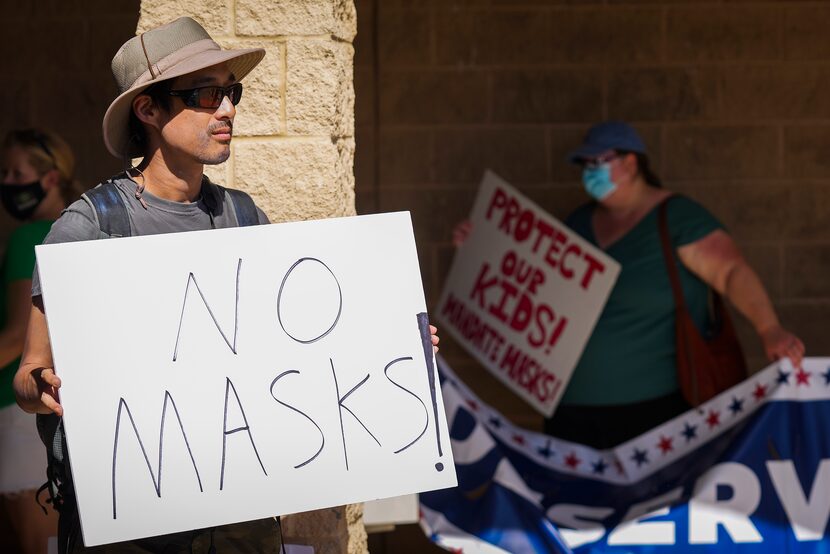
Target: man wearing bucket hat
[{"x": 178, "y": 92}]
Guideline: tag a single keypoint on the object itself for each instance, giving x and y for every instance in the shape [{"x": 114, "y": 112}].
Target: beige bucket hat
[{"x": 177, "y": 48}]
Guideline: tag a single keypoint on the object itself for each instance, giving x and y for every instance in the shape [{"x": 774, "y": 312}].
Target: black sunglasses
[{"x": 209, "y": 97}]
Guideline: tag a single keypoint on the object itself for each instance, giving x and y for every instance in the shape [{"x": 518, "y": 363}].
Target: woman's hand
[
  {"x": 433, "y": 331},
  {"x": 461, "y": 233},
  {"x": 780, "y": 343}
]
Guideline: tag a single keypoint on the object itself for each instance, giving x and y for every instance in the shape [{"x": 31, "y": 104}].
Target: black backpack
[{"x": 114, "y": 221}]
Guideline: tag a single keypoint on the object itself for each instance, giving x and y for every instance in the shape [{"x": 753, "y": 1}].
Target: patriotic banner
[
  {"x": 524, "y": 293},
  {"x": 749, "y": 471}
]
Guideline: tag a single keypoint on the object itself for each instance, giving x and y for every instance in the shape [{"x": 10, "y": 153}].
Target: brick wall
[{"x": 732, "y": 98}]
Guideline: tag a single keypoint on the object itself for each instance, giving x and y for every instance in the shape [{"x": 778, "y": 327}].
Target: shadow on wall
[{"x": 56, "y": 60}]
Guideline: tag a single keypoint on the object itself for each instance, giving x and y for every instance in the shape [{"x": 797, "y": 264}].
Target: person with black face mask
[{"x": 36, "y": 168}]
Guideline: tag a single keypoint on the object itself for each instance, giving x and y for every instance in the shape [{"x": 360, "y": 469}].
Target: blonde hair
[{"x": 47, "y": 151}]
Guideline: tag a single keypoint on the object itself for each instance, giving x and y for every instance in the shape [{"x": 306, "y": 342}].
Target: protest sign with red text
[{"x": 524, "y": 293}]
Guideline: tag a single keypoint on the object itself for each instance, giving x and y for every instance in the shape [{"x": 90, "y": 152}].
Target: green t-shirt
[
  {"x": 18, "y": 263},
  {"x": 630, "y": 356}
]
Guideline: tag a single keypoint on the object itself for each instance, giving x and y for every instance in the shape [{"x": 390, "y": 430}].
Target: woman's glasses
[
  {"x": 594, "y": 163},
  {"x": 209, "y": 97}
]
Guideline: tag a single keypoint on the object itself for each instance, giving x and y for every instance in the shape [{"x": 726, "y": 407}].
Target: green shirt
[
  {"x": 18, "y": 263},
  {"x": 630, "y": 356}
]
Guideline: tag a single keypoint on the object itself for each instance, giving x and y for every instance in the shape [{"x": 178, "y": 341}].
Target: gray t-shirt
[{"x": 213, "y": 210}]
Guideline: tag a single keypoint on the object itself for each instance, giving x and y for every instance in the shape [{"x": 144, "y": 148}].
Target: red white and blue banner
[{"x": 748, "y": 471}]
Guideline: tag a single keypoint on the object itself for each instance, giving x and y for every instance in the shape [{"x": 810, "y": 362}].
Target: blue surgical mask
[{"x": 597, "y": 181}]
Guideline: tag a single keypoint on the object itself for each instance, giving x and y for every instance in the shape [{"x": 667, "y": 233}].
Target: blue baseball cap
[{"x": 608, "y": 135}]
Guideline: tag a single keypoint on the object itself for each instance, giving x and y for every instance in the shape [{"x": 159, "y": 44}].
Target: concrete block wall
[
  {"x": 730, "y": 96},
  {"x": 293, "y": 146}
]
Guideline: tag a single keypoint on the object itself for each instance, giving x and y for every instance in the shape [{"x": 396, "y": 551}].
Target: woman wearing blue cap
[{"x": 627, "y": 381}]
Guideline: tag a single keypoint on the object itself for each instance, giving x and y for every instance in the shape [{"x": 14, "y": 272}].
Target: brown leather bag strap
[
  {"x": 685, "y": 358},
  {"x": 668, "y": 255}
]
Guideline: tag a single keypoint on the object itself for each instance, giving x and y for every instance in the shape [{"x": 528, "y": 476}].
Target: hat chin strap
[{"x": 149, "y": 63}]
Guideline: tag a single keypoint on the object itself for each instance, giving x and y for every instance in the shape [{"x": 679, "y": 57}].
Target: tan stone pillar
[{"x": 293, "y": 146}]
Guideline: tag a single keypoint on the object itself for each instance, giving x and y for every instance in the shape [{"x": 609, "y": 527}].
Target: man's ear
[{"x": 146, "y": 110}]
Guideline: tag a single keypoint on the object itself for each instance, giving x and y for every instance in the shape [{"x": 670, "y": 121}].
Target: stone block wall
[
  {"x": 730, "y": 97},
  {"x": 293, "y": 146}
]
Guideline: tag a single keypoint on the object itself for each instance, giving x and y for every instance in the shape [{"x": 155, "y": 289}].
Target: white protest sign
[
  {"x": 524, "y": 293},
  {"x": 228, "y": 375}
]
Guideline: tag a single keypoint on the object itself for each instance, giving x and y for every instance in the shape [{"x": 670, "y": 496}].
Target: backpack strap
[
  {"x": 243, "y": 205},
  {"x": 110, "y": 209},
  {"x": 58, "y": 479}
]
